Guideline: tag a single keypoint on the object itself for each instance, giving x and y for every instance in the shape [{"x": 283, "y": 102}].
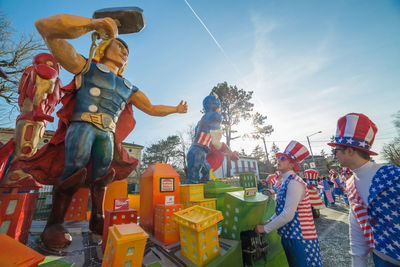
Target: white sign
[
  {"x": 169, "y": 200},
  {"x": 312, "y": 165}
]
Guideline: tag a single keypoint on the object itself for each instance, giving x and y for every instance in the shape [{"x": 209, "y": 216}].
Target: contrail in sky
[{"x": 215, "y": 41}]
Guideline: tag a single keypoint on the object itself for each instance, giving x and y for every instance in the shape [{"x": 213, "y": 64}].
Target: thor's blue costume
[{"x": 99, "y": 102}]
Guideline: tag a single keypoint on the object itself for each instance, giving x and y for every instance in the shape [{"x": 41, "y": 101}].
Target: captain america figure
[{"x": 101, "y": 100}]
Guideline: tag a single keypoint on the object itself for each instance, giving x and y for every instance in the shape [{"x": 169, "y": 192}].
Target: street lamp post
[{"x": 309, "y": 145}]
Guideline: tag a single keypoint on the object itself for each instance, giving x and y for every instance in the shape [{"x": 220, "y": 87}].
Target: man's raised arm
[{"x": 56, "y": 29}]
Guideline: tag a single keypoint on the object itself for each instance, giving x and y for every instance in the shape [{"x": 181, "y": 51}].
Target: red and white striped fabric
[
  {"x": 315, "y": 199},
  {"x": 204, "y": 139},
  {"x": 278, "y": 173},
  {"x": 277, "y": 186},
  {"x": 305, "y": 214},
  {"x": 271, "y": 179},
  {"x": 355, "y": 130},
  {"x": 297, "y": 152},
  {"x": 332, "y": 171},
  {"x": 360, "y": 210},
  {"x": 311, "y": 174}
]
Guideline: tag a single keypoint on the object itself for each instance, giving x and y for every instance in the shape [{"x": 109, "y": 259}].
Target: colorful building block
[
  {"x": 16, "y": 214},
  {"x": 209, "y": 203},
  {"x": 117, "y": 189},
  {"x": 217, "y": 189},
  {"x": 159, "y": 184},
  {"x": 121, "y": 214},
  {"x": 190, "y": 192},
  {"x": 248, "y": 180},
  {"x": 125, "y": 246},
  {"x": 134, "y": 202},
  {"x": 13, "y": 253},
  {"x": 242, "y": 213},
  {"x": 166, "y": 230},
  {"x": 78, "y": 207},
  {"x": 198, "y": 233}
]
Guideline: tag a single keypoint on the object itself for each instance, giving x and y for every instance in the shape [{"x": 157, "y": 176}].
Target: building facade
[{"x": 243, "y": 165}]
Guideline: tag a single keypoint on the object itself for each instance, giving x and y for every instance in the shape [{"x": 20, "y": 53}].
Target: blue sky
[{"x": 308, "y": 62}]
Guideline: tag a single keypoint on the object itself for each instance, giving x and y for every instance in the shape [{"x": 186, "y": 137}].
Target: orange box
[
  {"x": 166, "y": 230},
  {"x": 134, "y": 202},
  {"x": 13, "y": 253},
  {"x": 16, "y": 214},
  {"x": 117, "y": 189},
  {"x": 125, "y": 246},
  {"x": 159, "y": 184},
  {"x": 78, "y": 207}
]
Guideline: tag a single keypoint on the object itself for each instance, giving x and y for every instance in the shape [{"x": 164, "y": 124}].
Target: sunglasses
[
  {"x": 281, "y": 158},
  {"x": 335, "y": 150}
]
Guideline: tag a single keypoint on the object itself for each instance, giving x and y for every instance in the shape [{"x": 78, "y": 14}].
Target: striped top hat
[
  {"x": 271, "y": 179},
  {"x": 346, "y": 171},
  {"x": 296, "y": 152},
  {"x": 355, "y": 130},
  {"x": 332, "y": 171},
  {"x": 311, "y": 174}
]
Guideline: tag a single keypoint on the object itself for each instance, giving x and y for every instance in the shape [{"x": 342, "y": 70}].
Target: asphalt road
[{"x": 333, "y": 234}]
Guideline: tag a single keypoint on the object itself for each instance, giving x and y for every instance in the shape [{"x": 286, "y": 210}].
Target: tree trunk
[{"x": 266, "y": 151}]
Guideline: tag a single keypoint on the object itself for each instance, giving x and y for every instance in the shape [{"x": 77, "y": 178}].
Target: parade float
[{"x": 208, "y": 221}]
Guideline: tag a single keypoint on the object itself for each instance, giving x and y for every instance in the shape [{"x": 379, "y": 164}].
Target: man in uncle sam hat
[
  {"x": 293, "y": 218},
  {"x": 373, "y": 191}
]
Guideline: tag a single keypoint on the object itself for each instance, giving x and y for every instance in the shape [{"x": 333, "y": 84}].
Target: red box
[
  {"x": 159, "y": 184},
  {"x": 115, "y": 217},
  {"x": 165, "y": 229},
  {"x": 121, "y": 204},
  {"x": 16, "y": 214}
]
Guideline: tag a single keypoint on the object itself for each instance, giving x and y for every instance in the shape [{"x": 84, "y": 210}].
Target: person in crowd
[
  {"x": 373, "y": 191},
  {"x": 293, "y": 219}
]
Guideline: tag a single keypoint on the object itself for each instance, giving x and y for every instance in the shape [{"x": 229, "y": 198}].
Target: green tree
[
  {"x": 391, "y": 151},
  {"x": 235, "y": 106},
  {"x": 262, "y": 131},
  {"x": 274, "y": 151},
  {"x": 264, "y": 166},
  {"x": 16, "y": 53},
  {"x": 164, "y": 151}
]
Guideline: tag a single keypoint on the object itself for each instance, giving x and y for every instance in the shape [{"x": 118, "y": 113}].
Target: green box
[
  {"x": 217, "y": 189},
  {"x": 242, "y": 213},
  {"x": 248, "y": 180}
]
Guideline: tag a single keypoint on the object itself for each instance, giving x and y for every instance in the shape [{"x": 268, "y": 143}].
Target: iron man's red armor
[
  {"x": 39, "y": 93},
  {"x": 39, "y": 89}
]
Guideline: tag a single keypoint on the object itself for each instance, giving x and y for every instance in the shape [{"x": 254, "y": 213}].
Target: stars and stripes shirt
[
  {"x": 374, "y": 194},
  {"x": 293, "y": 218}
]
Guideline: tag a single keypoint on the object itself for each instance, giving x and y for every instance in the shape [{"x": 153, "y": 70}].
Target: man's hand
[
  {"x": 106, "y": 28},
  {"x": 182, "y": 107},
  {"x": 259, "y": 229}
]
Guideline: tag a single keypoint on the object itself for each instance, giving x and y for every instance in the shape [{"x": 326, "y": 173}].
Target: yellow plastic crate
[
  {"x": 198, "y": 233},
  {"x": 125, "y": 246},
  {"x": 190, "y": 192},
  {"x": 209, "y": 203}
]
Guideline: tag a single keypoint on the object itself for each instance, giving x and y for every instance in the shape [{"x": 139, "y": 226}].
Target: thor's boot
[
  {"x": 97, "y": 192},
  {"x": 54, "y": 235}
]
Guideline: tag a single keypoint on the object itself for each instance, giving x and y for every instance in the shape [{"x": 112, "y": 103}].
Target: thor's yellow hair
[{"x": 100, "y": 51}]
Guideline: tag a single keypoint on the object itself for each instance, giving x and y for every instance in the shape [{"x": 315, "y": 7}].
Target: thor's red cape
[{"x": 47, "y": 164}]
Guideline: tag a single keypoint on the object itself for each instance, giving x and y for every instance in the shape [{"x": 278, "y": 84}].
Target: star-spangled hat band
[
  {"x": 296, "y": 152},
  {"x": 355, "y": 130}
]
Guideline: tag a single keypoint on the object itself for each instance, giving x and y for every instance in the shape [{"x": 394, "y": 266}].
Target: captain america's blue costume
[
  {"x": 99, "y": 102},
  {"x": 198, "y": 167}
]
